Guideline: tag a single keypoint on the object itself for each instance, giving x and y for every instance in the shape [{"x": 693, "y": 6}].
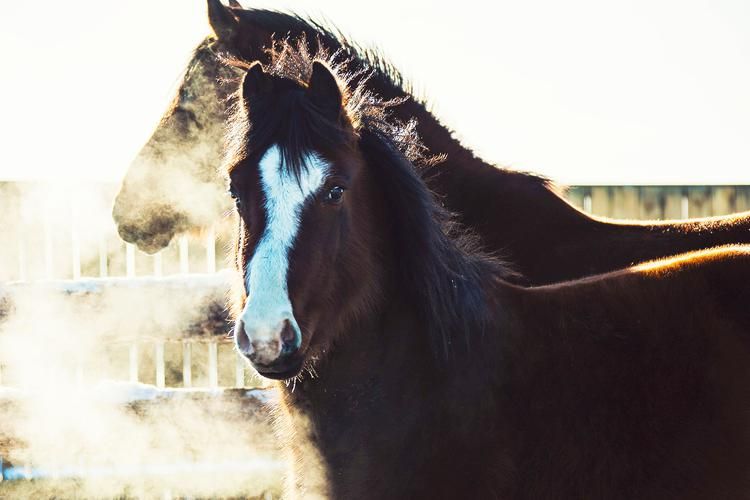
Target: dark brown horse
[
  {"x": 518, "y": 215},
  {"x": 419, "y": 371}
]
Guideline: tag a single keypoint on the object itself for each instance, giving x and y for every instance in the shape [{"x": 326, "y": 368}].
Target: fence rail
[
  {"x": 660, "y": 202},
  {"x": 67, "y": 232}
]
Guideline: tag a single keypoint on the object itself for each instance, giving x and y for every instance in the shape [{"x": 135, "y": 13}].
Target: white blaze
[{"x": 268, "y": 303}]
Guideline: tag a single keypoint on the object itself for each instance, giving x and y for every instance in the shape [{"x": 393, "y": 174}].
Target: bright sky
[{"x": 584, "y": 91}]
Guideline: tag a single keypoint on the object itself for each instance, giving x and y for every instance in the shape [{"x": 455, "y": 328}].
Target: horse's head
[
  {"x": 173, "y": 184},
  {"x": 336, "y": 223},
  {"x": 307, "y": 245}
]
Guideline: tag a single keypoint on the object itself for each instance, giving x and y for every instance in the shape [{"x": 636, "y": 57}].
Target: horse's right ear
[
  {"x": 222, "y": 21},
  {"x": 255, "y": 81},
  {"x": 324, "y": 90}
]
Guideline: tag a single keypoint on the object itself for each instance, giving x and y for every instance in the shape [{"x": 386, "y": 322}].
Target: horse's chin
[
  {"x": 154, "y": 245},
  {"x": 147, "y": 242},
  {"x": 150, "y": 227},
  {"x": 288, "y": 370}
]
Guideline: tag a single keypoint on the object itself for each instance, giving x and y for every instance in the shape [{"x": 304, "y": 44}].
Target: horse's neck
[
  {"x": 376, "y": 410},
  {"x": 438, "y": 138},
  {"x": 337, "y": 417}
]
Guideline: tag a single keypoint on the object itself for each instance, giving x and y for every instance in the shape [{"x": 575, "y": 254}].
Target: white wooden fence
[{"x": 63, "y": 237}]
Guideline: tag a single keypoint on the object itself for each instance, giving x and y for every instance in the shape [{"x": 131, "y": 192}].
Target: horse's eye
[
  {"x": 234, "y": 196},
  {"x": 335, "y": 195}
]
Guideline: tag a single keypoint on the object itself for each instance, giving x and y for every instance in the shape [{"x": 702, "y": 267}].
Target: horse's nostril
[
  {"x": 243, "y": 342},
  {"x": 289, "y": 338},
  {"x": 266, "y": 346},
  {"x": 287, "y": 332}
]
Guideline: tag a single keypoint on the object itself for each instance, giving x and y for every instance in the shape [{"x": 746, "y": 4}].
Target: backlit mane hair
[
  {"x": 292, "y": 61},
  {"x": 328, "y": 33},
  {"x": 440, "y": 265}
]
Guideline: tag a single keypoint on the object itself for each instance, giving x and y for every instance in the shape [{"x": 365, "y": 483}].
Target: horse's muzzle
[{"x": 272, "y": 352}]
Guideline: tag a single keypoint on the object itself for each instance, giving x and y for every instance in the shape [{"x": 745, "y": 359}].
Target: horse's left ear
[
  {"x": 222, "y": 21},
  {"x": 324, "y": 90},
  {"x": 235, "y": 4}
]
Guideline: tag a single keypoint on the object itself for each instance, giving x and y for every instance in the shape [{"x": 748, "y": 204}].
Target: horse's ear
[
  {"x": 324, "y": 90},
  {"x": 222, "y": 21},
  {"x": 255, "y": 81},
  {"x": 235, "y": 4}
]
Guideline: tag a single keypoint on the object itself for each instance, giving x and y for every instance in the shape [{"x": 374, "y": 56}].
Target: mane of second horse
[
  {"x": 369, "y": 65},
  {"x": 292, "y": 61},
  {"x": 281, "y": 23}
]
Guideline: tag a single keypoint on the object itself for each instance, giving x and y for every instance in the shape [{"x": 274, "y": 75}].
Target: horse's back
[{"x": 636, "y": 384}]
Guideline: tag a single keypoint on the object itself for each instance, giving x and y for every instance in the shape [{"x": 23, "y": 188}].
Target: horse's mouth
[
  {"x": 150, "y": 227},
  {"x": 289, "y": 369},
  {"x": 149, "y": 242}
]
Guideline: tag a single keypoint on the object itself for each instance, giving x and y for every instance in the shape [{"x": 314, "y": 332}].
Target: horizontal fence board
[
  {"x": 660, "y": 202},
  {"x": 66, "y": 231}
]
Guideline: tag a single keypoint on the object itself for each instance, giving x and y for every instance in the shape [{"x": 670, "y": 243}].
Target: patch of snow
[{"x": 263, "y": 396}]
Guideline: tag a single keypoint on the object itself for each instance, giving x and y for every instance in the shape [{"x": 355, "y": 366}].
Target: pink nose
[{"x": 265, "y": 350}]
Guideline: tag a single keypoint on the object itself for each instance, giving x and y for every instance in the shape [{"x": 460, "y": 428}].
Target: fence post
[
  {"x": 187, "y": 364},
  {"x": 742, "y": 198},
  {"x": 723, "y": 200},
  {"x": 673, "y": 201},
  {"x": 159, "y": 362},
  {"x": 587, "y": 205},
  {"x": 211, "y": 250},
  {"x": 213, "y": 364},
  {"x": 158, "y": 264},
  {"x": 48, "y": 263},
  {"x": 103, "y": 257},
  {"x": 184, "y": 255},
  {"x": 134, "y": 362},
  {"x": 601, "y": 204},
  {"x": 684, "y": 206},
  {"x": 22, "y": 256},
  {"x": 75, "y": 239},
  {"x": 129, "y": 260},
  {"x": 574, "y": 195},
  {"x": 699, "y": 198},
  {"x": 625, "y": 202},
  {"x": 652, "y": 206}
]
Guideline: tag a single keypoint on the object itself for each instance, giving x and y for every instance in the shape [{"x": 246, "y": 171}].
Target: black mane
[
  {"x": 283, "y": 23},
  {"x": 441, "y": 267},
  {"x": 440, "y": 263}
]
